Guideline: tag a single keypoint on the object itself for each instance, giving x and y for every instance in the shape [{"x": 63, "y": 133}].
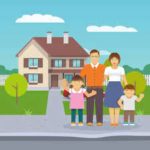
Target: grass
[
  {"x": 32, "y": 103},
  {"x": 142, "y": 108}
]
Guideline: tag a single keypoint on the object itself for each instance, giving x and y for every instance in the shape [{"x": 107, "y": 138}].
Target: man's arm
[{"x": 83, "y": 72}]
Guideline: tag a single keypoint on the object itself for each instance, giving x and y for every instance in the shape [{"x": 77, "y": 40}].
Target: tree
[
  {"x": 137, "y": 79},
  {"x": 107, "y": 63},
  {"x": 146, "y": 69},
  {"x": 16, "y": 86}
]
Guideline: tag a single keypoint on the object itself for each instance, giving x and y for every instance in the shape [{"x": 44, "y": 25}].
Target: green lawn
[
  {"x": 142, "y": 108},
  {"x": 33, "y": 102}
]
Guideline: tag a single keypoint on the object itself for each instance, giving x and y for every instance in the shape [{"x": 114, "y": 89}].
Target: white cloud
[
  {"x": 39, "y": 18},
  {"x": 94, "y": 28},
  {"x": 102, "y": 52}
]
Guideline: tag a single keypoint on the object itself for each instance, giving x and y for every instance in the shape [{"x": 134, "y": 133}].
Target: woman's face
[{"x": 114, "y": 61}]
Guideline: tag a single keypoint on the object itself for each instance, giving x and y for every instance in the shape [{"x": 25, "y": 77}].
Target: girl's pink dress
[{"x": 77, "y": 99}]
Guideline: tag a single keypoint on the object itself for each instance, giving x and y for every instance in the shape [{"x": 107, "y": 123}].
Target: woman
[{"x": 114, "y": 91}]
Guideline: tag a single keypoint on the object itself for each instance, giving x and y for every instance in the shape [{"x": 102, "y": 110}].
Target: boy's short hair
[
  {"x": 129, "y": 87},
  {"x": 94, "y": 51}
]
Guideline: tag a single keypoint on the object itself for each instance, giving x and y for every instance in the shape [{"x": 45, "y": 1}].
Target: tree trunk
[{"x": 17, "y": 98}]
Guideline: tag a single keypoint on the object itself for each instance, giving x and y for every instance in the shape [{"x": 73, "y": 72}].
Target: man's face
[
  {"x": 129, "y": 93},
  {"x": 94, "y": 57}
]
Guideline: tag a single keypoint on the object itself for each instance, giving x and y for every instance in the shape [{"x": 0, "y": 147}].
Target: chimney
[
  {"x": 49, "y": 37},
  {"x": 66, "y": 38}
]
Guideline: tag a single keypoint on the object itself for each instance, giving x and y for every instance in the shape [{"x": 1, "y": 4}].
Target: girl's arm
[
  {"x": 124, "y": 79},
  {"x": 140, "y": 98},
  {"x": 120, "y": 103},
  {"x": 90, "y": 94}
]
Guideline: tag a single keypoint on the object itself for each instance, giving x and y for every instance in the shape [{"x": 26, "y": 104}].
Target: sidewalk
[{"x": 55, "y": 123}]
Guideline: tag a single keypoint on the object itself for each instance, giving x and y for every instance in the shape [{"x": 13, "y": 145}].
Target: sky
[{"x": 90, "y": 22}]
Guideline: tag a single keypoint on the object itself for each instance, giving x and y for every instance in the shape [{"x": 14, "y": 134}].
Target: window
[
  {"x": 33, "y": 78},
  {"x": 33, "y": 63},
  {"x": 76, "y": 63},
  {"x": 68, "y": 77},
  {"x": 58, "y": 63}
]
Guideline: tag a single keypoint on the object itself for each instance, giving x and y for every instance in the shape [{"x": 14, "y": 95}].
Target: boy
[{"x": 127, "y": 103}]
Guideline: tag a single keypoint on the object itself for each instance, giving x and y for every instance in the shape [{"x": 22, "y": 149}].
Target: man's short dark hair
[{"x": 94, "y": 51}]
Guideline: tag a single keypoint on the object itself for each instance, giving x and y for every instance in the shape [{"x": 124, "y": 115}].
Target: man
[{"x": 94, "y": 73}]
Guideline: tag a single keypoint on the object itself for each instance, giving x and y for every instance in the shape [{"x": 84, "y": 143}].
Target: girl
[
  {"x": 114, "y": 90},
  {"x": 77, "y": 94}
]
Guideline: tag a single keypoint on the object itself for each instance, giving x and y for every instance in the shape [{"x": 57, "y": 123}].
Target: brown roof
[{"x": 59, "y": 49}]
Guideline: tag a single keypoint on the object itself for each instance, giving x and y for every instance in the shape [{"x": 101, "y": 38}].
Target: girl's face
[
  {"x": 114, "y": 61},
  {"x": 77, "y": 84}
]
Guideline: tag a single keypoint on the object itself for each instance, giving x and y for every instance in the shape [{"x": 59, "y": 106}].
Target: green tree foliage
[
  {"x": 146, "y": 69},
  {"x": 16, "y": 86},
  {"x": 4, "y": 71},
  {"x": 137, "y": 79}
]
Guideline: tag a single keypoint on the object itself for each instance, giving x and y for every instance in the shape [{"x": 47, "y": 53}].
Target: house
[{"x": 44, "y": 61}]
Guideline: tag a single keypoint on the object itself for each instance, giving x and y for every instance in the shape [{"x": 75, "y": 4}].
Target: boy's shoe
[
  {"x": 73, "y": 124},
  {"x": 125, "y": 124},
  {"x": 89, "y": 124},
  {"x": 80, "y": 124},
  {"x": 132, "y": 124},
  {"x": 99, "y": 124}
]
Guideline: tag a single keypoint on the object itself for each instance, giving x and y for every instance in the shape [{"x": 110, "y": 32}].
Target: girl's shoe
[
  {"x": 125, "y": 124},
  {"x": 73, "y": 124},
  {"x": 80, "y": 124},
  {"x": 116, "y": 125},
  {"x": 112, "y": 124}
]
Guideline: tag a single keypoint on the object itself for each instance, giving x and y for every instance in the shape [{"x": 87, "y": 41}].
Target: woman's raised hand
[{"x": 64, "y": 84}]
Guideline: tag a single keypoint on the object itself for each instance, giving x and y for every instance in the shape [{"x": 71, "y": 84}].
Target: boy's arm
[
  {"x": 120, "y": 103},
  {"x": 140, "y": 98},
  {"x": 90, "y": 94}
]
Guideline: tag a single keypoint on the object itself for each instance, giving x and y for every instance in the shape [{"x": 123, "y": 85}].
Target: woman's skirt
[{"x": 113, "y": 93}]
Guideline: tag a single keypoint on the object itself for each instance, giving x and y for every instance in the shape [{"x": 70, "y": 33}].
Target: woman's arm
[
  {"x": 105, "y": 77},
  {"x": 124, "y": 79},
  {"x": 120, "y": 103}
]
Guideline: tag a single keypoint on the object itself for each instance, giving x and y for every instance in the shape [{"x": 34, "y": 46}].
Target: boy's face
[
  {"x": 77, "y": 84},
  {"x": 129, "y": 92}
]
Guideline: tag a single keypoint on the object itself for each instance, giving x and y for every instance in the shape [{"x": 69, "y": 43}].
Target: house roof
[{"x": 59, "y": 49}]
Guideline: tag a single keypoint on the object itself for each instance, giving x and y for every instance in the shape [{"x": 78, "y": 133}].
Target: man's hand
[{"x": 93, "y": 92}]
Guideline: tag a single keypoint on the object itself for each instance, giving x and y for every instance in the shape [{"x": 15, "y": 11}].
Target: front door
[{"x": 54, "y": 80}]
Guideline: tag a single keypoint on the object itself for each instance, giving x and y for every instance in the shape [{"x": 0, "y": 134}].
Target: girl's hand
[{"x": 64, "y": 84}]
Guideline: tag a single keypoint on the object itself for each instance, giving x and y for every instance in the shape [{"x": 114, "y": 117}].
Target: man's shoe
[
  {"x": 99, "y": 124},
  {"x": 89, "y": 124},
  {"x": 80, "y": 124}
]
